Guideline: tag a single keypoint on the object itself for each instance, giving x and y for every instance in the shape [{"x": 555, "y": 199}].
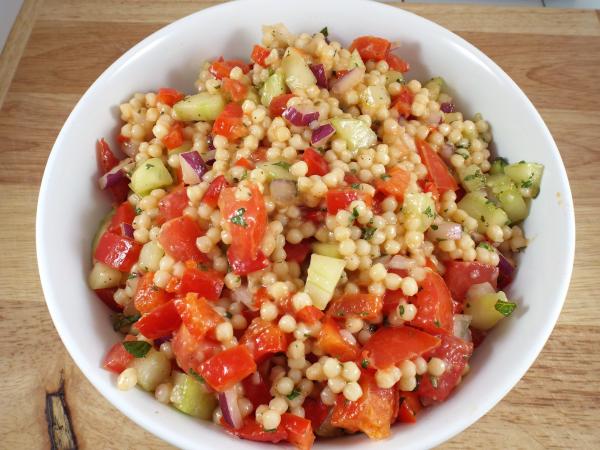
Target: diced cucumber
[
  {"x": 276, "y": 170},
  {"x": 103, "y": 276},
  {"x": 498, "y": 166},
  {"x": 326, "y": 249},
  {"x": 102, "y": 227},
  {"x": 485, "y": 211},
  {"x": 356, "y": 60},
  {"x": 420, "y": 206},
  {"x": 274, "y": 86},
  {"x": 393, "y": 76},
  {"x": 526, "y": 175},
  {"x": 297, "y": 73},
  {"x": 150, "y": 256},
  {"x": 151, "y": 174},
  {"x": 435, "y": 87},
  {"x": 499, "y": 183},
  {"x": 375, "y": 96},
  {"x": 488, "y": 309},
  {"x": 190, "y": 397},
  {"x": 322, "y": 277},
  {"x": 152, "y": 369},
  {"x": 253, "y": 95},
  {"x": 202, "y": 106},
  {"x": 508, "y": 196},
  {"x": 472, "y": 178},
  {"x": 355, "y": 132}
]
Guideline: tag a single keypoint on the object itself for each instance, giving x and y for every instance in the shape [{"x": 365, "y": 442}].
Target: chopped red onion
[
  {"x": 130, "y": 148},
  {"x": 283, "y": 192},
  {"x": 192, "y": 167},
  {"x": 461, "y": 327},
  {"x": 400, "y": 262},
  {"x": 228, "y": 401},
  {"x": 243, "y": 295},
  {"x": 348, "y": 337},
  {"x": 446, "y": 152},
  {"x": 296, "y": 116},
  {"x": 209, "y": 141},
  {"x": 445, "y": 231},
  {"x": 447, "y": 107},
  {"x": 506, "y": 271},
  {"x": 114, "y": 175},
  {"x": 322, "y": 133},
  {"x": 435, "y": 118},
  {"x": 127, "y": 230},
  {"x": 348, "y": 81},
  {"x": 318, "y": 71}
]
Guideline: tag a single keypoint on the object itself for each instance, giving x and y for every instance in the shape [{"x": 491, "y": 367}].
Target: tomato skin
[
  {"x": 294, "y": 429},
  {"x": 391, "y": 300},
  {"x": 315, "y": 411},
  {"x": 117, "y": 359},
  {"x": 106, "y": 161},
  {"x": 397, "y": 63},
  {"x": 365, "y": 306},
  {"x": 403, "y": 102},
  {"x": 341, "y": 198},
  {"x": 392, "y": 345},
  {"x": 172, "y": 204},
  {"x": 310, "y": 315},
  {"x": 430, "y": 186},
  {"x": 395, "y": 183},
  {"x": 372, "y": 413},
  {"x": 437, "y": 169},
  {"x": 315, "y": 215},
  {"x": 207, "y": 284},
  {"x": 253, "y": 431},
  {"x": 434, "y": 306},
  {"x": 175, "y": 136},
  {"x": 236, "y": 90},
  {"x": 229, "y": 123},
  {"x": 241, "y": 266},
  {"x": 331, "y": 342},
  {"x": 211, "y": 197},
  {"x": 371, "y": 47},
  {"x": 147, "y": 295},
  {"x": 259, "y": 54},
  {"x": 297, "y": 252},
  {"x": 317, "y": 165},
  {"x": 161, "y": 321},
  {"x": 124, "y": 214},
  {"x": 245, "y": 163},
  {"x": 178, "y": 239},
  {"x": 299, "y": 431},
  {"x": 258, "y": 393},
  {"x": 410, "y": 405},
  {"x": 221, "y": 69},
  {"x": 197, "y": 315},
  {"x": 228, "y": 367},
  {"x": 118, "y": 252},
  {"x": 106, "y": 296},
  {"x": 264, "y": 338},
  {"x": 189, "y": 351},
  {"x": 169, "y": 96},
  {"x": 461, "y": 275},
  {"x": 455, "y": 353},
  {"x": 278, "y": 104}
]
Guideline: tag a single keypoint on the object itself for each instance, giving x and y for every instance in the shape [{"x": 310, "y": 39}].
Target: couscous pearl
[
  {"x": 163, "y": 392},
  {"x": 268, "y": 311},
  {"x": 224, "y": 332},
  {"x": 287, "y": 323},
  {"x": 278, "y": 404},
  {"x": 127, "y": 379},
  {"x": 332, "y": 368},
  {"x": 350, "y": 371},
  {"x": 336, "y": 384},
  {"x": 271, "y": 419},
  {"x": 352, "y": 391},
  {"x": 420, "y": 365},
  {"x": 436, "y": 367}
]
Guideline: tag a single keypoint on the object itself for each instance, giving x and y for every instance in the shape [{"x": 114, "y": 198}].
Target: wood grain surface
[{"x": 57, "y": 50}]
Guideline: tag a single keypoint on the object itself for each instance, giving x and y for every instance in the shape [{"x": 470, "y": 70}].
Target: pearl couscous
[{"x": 312, "y": 243}]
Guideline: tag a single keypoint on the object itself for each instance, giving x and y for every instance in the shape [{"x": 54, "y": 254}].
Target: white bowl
[{"x": 70, "y": 205}]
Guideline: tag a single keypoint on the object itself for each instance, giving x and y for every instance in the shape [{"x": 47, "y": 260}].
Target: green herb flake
[
  {"x": 324, "y": 32},
  {"x": 527, "y": 183},
  {"x": 401, "y": 310},
  {"x": 385, "y": 176},
  {"x": 283, "y": 165},
  {"x": 294, "y": 394},
  {"x": 354, "y": 215},
  {"x": 487, "y": 246},
  {"x": 238, "y": 218},
  {"x": 120, "y": 320},
  {"x": 428, "y": 212},
  {"x": 149, "y": 166},
  {"x": 139, "y": 349},
  {"x": 434, "y": 227},
  {"x": 365, "y": 363},
  {"x": 138, "y": 211},
  {"x": 367, "y": 233},
  {"x": 228, "y": 315},
  {"x": 132, "y": 275},
  {"x": 437, "y": 323},
  {"x": 505, "y": 308},
  {"x": 340, "y": 313},
  {"x": 355, "y": 185},
  {"x": 364, "y": 314},
  {"x": 196, "y": 376}
]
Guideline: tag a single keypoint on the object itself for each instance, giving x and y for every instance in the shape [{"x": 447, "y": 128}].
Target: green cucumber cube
[
  {"x": 190, "y": 397},
  {"x": 150, "y": 174},
  {"x": 202, "y": 106}
]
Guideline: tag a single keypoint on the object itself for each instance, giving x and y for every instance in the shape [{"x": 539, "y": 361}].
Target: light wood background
[{"x": 58, "y": 48}]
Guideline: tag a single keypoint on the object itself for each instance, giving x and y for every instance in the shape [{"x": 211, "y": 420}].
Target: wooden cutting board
[{"x": 58, "y": 48}]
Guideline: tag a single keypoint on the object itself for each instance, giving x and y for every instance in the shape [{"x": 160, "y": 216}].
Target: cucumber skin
[
  {"x": 190, "y": 397},
  {"x": 273, "y": 87},
  {"x": 482, "y": 209}
]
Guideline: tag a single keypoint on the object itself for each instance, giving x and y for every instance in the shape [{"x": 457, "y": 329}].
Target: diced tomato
[
  {"x": 246, "y": 221},
  {"x": 105, "y": 157},
  {"x": 392, "y": 345},
  {"x": 436, "y": 167},
  {"x": 106, "y": 295},
  {"x": 206, "y": 283},
  {"x": 403, "y": 102},
  {"x": 259, "y": 54},
  {"x": 242, "y": 266},
  {"x": 315, "y": 411},
  {"x": 211, "y": 197},
  {"x": 122, "y": 140},
  {"x": 236, "y": 90},
  {"x": 169, "y": 96},
  {"x": 221, "y": 69},
  {"x": 149, "y": 296},
  {"x": 372, "y": 413},
  {"x": 315, "y": 215},
  {"x": 299, "y": 431},
  {"x": 371, "y": 47},
  {"x": 259, "y": 155},
  {"x": 253, "y": 431},
  {"x": 278, "y": 104},
  {"x": 175, "y": 136},
  {"x": 310, "y": 315},
  {"x": 455, "y": 353},
  {"x": 391, "y": 300},
  {"x": 228, "y": 367},
  {"x": 160, "y": 322},
  {"x": 297, "y": 252},
  {"x": 264, "y": 338},
  {"x": 178, "y": 239},
  {"x": 365, "y": 306},
  {"x": 341, "y": 198},
  {"x": 256, "y": 390},
  {"x": 294, "y": 429},
  {"x": 410, "y": 405},
  {"x": 189, "y": 351},
  {"x": 331, "y": 342},
  {"x": 117, "y": 359},
  {"x": 124, "y": 214},
  {"x": 172, "y": 204},
  {"x": 245, "y": 163},
  {"x": 461, "y": 275},
  {"x": 430, "y": 186},
  {"x": 198, "y": 316},
  {"x": 397, "y": 63},
  {"x": 395, "y": 183},
  {"x": 434, "y": 306},
  {"x": 229, "y": 123},
  {"x": 118, "y": 252},
  {"x": 317, "y": 165}
]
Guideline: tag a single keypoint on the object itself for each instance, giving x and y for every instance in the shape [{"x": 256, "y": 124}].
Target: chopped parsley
[
  {"x": 324, "y": 32},
  {"x": 437, "y": 323},
  {"x": 505, "y": 308},
  {"x": 385, "y": 176},
  {"x": 367, "y": 233},
  {"x": 238, "y": 218},
  {"x": 139, "y": 349},
  {"x": 401, "y": 310},
  {"x": 487, "y": 246},
  {"x": 340, "y": 313},
  {"x": 428, "y": 212},
  {"x": 196, "y": 376},
  {"x": 365, "y": 363},
  {"x": 292, "y": 395},
  {"x": 149, "y": 166},
  {"x": 355, "y": 185},
  {"x": 527, "y": 183},
  {"x": 283, "y": 165},
  {"x": 434, "y": 227},
  {"x": 120, "y": 320},
  {"x": 354, "y": 215},
  {"x": 132, "y": 275},
  {"x": 138, "y": 211},
  {"x": 228, "y": 315}
]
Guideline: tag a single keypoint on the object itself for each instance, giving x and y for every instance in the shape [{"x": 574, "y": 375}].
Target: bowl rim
[{"x": 153, "y": 426}]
